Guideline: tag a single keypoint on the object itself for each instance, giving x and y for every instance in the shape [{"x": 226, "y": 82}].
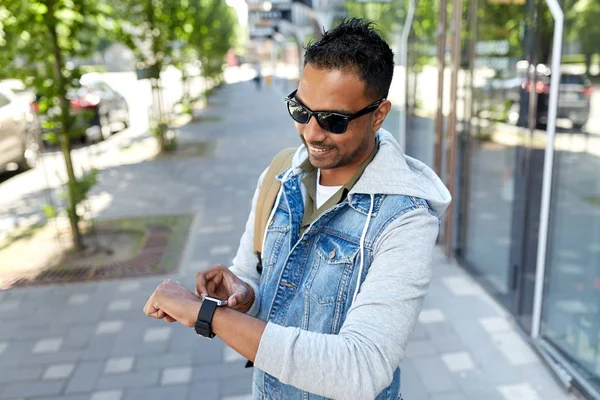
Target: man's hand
[
  {"x": 221, "y": 283},
  {"x": 172, "y": 302}
]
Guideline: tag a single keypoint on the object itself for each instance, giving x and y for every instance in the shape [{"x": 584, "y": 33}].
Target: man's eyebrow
[{"x": 345, "y": 112}]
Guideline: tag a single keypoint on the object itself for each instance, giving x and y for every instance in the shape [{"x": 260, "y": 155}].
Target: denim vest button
[{"x": 332, "y": 254}]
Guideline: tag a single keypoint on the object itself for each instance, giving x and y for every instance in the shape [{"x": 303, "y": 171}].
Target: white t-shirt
[{"x": 324, "y": 193}]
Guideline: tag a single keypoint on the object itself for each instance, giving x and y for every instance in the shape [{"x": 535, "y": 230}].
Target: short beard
[{"x": 338, "y": 160}]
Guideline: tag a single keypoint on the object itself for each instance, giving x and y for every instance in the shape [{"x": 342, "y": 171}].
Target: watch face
[{"x": 220, "y": 303}]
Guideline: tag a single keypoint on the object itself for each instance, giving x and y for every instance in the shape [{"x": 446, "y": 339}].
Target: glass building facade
[{"x": 526, "y": 212}]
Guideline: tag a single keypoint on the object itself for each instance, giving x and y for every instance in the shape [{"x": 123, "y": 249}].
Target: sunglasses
[{"x": 330, "y": 121}]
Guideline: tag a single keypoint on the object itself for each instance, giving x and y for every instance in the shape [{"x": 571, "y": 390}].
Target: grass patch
[{"x": 120, "y": 248}]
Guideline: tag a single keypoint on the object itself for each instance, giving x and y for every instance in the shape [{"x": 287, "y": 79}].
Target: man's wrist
[{"x": 194, "y": 310}]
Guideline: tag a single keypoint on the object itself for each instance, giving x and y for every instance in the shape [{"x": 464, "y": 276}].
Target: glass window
[
  {"x": 498, "y": 137},
  {"x": 571, "y": 308}
]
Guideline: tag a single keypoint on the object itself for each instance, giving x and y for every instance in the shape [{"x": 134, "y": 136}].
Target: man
[{"x": 348, "y": 246}]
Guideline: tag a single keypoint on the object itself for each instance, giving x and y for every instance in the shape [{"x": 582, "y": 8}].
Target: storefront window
[
  {"x": 498, "y": 136},
  {"x": 571, "y": 311},
  {"x": 422, "y": 82}
]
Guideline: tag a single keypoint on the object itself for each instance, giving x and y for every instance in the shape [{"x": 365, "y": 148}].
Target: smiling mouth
[{"x": 318, "y": 150}]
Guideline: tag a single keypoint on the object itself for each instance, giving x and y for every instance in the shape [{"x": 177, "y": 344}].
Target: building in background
[{"x": 524, "y": 169}]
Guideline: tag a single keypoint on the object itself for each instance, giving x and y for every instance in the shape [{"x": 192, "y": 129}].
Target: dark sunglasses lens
[
  {"x": 298, "y": 113},
  {"x": 333, "y": 123}
]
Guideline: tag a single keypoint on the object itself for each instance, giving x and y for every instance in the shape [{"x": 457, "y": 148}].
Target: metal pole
[
  {"x": 439, "y": 119},
  {"x": 452, "y": 139},
  {"x": 403, "y": 62},
  {"x": 558, "y": 15}
]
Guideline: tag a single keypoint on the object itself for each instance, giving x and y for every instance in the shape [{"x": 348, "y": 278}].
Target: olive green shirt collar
[{"x": 311, "y": 213}]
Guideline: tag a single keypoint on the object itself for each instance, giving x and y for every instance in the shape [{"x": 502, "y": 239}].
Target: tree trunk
[
  {"x": 65, "y": 142},
  {"x": 156, "y": 70},
  {"x": 588, "y": 63},
  {"x": 185, "y": 97}
]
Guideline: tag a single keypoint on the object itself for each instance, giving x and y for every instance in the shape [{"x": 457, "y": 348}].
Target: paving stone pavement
[{"x": 92, "y": 341}]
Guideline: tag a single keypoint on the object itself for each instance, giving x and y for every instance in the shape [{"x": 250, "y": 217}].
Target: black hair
[{"x": 355, "y": 46}]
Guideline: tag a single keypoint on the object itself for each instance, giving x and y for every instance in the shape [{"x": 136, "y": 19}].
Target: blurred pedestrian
[
  {"x": 329, "y": 301},
  {"x": 258, "y": 77}
]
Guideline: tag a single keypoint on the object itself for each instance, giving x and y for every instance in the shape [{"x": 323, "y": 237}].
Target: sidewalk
[{"x": 92, "y": 341}]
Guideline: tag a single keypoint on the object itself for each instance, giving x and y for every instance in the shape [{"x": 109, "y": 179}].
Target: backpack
[{"x": 267, "y": 195}]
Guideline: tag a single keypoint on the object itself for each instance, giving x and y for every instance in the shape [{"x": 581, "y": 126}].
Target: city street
[{"x": 92, "y": 341}]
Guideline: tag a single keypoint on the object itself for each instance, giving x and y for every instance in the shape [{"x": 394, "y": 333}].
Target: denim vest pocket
[
  {"x": 332, "y": 269},
  {"x": 275, "y": 238}
]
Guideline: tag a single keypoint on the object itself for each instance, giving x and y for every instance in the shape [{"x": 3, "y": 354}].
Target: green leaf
[
  {"x": 49, "y": 211},
  {"x": 50, "y": 137}
]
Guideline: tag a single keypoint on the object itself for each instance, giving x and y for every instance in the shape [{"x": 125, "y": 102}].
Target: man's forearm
[{"x": 240, "y": 331}]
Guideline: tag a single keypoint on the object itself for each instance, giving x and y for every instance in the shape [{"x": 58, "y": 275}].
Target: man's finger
[
  {"x": 235, "y": 299},
  {"x": 211, "y": 287},
  {"x": 155, "y": 312},
  {"x": 212, "y": 271},
  {"x": 201, "y": 284},
  {"x": 148, "y": 309},
  {"x": 170, "y": 319}
]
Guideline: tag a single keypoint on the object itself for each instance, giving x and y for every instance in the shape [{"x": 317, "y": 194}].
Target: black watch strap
[{"x": 205, "y": 316}]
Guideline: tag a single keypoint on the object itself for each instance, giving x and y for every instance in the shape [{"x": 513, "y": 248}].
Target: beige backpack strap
[{"x": 268, "y": 194}]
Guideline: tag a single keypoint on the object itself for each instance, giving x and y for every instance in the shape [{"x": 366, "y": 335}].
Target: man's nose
[{"x": 313, "y": 133}]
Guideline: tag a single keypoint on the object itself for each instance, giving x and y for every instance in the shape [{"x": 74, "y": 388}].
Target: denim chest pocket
[
  {"x": 332, "y": 269},
  {"x": 275, "y": 238}
]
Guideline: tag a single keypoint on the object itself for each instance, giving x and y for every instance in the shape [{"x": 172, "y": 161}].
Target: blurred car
[
  {"x": 574, "y": 98},
  {"x": 19, "y": 130},
  {"x": 99, "y": 110},
  {"x": 508, "y": 99}
]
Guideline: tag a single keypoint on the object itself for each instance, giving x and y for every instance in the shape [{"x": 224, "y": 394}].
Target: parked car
[
  {"x": 574, "y": 98},
  {"x": 19, "y": 130},
  {"x": 99, "y": 110},
  {"x": 508, "y": 99}
]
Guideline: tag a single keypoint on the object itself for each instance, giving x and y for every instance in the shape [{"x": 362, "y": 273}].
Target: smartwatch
[{"x": 205, "y": 316}]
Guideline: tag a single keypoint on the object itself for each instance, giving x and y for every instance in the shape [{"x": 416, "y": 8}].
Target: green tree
[
  {"x": 214, "y": 32},
  {"x": 163, "y": 32},
  {"x": 149, "y": 28},
  {"x": 582, "y": 24},
  {"x": 387, "y": 16},
  {"x": 39, "y": 42}
]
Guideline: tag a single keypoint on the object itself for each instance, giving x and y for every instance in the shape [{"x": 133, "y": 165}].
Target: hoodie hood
[{"x": 393, "y": 173}]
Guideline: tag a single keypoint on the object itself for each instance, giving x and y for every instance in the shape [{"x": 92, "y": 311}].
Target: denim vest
[{"x": 308, "y": 282}]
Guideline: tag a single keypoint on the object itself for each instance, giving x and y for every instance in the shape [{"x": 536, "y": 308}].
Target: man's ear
[{"x": 380, "y": 114}]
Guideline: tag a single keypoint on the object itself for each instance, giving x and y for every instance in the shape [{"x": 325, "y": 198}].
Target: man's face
[{"x": 342, "y": 92}]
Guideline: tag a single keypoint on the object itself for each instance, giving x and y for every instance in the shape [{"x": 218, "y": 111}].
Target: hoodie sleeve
[
  {"x": 359, "y": 362},
  {"x": 244, "y": 262}
]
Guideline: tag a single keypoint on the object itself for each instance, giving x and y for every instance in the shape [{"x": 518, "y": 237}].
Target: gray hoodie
[{"x": 359, "y": 362}]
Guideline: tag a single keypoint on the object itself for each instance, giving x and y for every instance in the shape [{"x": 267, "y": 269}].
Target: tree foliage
[
  {"x": 162, "y": 32},
  {"x": 40, "y": 42},
  {"x": 213, "y": 34},
  {"x": 582, "y": 18}
]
